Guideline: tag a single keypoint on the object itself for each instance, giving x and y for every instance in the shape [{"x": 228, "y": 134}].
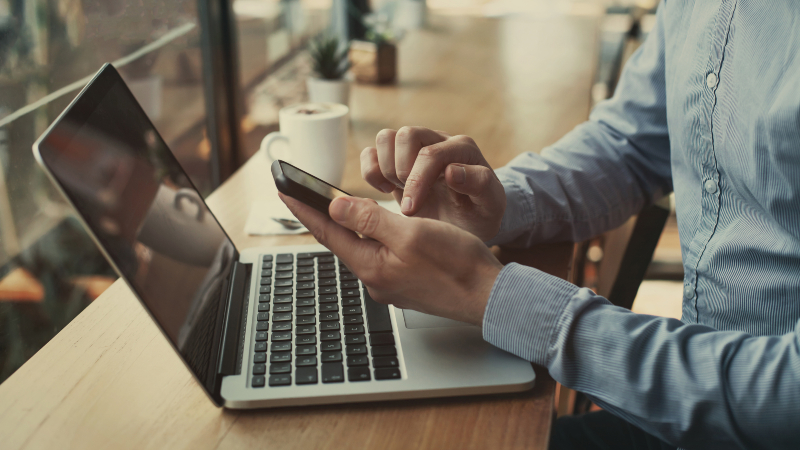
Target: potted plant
[
  {"x": 330, "y": 66},
  {"x": 374, "y": 59}
]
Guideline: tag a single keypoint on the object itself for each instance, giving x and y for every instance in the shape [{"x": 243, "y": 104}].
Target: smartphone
[{"x": 305, "y": 187}]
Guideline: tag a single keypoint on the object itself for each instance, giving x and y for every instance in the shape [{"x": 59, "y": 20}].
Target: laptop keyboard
[{"x": 316, "y": 323}]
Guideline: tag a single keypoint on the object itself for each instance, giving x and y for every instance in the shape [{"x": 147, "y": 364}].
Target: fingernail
[
  {"x": 406, "y": 205},
  {"x": 340, "y": 208},
  {"x": 387, "y": 187},
  {"x": 459, "y": 174}
]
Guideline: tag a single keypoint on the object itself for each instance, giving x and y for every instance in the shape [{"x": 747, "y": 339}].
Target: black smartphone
[{"x": 303, "y": 186}]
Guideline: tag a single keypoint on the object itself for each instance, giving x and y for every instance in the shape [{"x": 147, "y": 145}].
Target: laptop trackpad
[{"x": 416, "y": 319}]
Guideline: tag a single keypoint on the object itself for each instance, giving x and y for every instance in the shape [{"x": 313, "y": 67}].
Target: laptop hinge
[{"x": 237, "y": 294}]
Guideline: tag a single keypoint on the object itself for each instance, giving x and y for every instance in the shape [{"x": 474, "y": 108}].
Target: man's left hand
[{"x": 421, "y": 264}]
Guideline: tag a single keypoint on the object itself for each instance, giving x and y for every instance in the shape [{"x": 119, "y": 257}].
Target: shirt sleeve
[
  {"x": 602, "y": 172},
  {"x": 688, "y": 384}
]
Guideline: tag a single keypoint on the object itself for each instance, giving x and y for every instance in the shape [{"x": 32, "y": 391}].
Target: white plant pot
[
  {"x": 410, "y": 14},
  {"x": 328, "y": 91}
]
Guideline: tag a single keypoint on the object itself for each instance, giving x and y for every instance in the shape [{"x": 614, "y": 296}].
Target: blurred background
[{"x": 211, "y": 75}]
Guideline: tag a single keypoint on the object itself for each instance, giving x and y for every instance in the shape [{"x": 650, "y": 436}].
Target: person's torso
[{"x": 733, "y": 109}]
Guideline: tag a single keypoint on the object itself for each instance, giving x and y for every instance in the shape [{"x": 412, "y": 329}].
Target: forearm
[{"x": 687, "y": 384}]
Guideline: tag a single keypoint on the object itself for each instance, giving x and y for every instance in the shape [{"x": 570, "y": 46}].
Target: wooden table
[{"x": 110, "y": 380}]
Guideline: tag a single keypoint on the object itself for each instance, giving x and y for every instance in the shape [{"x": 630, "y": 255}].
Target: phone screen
[{"x": 311, "y": 182}]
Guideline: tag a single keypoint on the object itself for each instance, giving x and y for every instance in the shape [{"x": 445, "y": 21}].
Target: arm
[
  {"x": 690, "y": 385},
  {"x": 602, "y": 172}
]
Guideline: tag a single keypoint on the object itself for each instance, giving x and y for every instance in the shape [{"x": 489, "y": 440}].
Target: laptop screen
[{"x": 146, "y": 214}]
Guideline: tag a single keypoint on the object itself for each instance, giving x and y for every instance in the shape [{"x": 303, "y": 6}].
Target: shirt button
[
  {"x": 710, "y": 186},
  {"x": 688, "y": 291},
  {"x": 711, "y": 80}
]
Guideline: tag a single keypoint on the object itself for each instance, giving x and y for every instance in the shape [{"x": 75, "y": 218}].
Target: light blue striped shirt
[{"x": 709, "y": 108}]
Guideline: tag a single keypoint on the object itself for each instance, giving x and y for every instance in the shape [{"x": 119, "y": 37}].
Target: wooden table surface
[{"x": 110, "y": 380}]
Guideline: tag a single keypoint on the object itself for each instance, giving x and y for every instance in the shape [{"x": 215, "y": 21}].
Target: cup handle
[{"x": 266, "y": 143}]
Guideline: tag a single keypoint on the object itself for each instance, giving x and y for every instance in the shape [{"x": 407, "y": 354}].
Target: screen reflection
[{"x": 148, "y": 217}]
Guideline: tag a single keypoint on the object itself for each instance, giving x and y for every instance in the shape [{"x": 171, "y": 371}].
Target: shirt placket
[{"x": 710, "y": 183}]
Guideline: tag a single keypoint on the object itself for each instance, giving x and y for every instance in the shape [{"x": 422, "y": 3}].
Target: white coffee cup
[{"x": 317, "y": 137}]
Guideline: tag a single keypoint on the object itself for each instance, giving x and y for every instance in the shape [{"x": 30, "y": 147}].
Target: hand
[
  {"x": 437, "y": 176},
  {"x": 421, "y": 264}
]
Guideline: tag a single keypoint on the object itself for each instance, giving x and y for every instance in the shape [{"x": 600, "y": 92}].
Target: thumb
[
  {"x": 366, "y": 217},
  {"x": 476, "y": 181}
]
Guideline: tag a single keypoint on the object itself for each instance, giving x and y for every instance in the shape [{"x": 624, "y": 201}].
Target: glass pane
[{"x": 49, "y": 268}]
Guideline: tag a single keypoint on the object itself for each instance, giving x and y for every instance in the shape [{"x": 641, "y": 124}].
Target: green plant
[
  {"x": 377, "y": 28},
  {"x": 330, "y": 61}
]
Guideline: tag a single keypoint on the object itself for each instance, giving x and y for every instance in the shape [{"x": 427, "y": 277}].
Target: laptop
[{"x": 257, "y": 327}]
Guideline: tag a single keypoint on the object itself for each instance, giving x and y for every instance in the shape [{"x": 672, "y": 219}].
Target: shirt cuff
[
  {"x": 523, "y": 312},
  {"x": 518, "y": 216}
]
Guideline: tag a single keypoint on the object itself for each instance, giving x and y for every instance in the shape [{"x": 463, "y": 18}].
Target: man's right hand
[{"x": 437, "y": 176}]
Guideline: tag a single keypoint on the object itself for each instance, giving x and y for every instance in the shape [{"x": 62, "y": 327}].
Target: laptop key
[
  {"x": 378, "y": 319},
  {"x": 328, "y": 282},
  {"x": 280, "y": 380},
  {"x": 306, "y": 320},
  {"x": 305, "y": 302},
  {"x": 261, "y": 346},
  {"x": 357, "y": 360},
  {"x": 385, "y": 361},
  {"x": 263, "y": 298},
  {"x": 344, "y": 269},
  {"x": 323, "y": 254},
  {"x": 305, "y": 277},
  {"x": 354, "y": 329},
  {"x": 282, "y": 317},
  {"x": 355, "y": 350},
  {"x": 329, "y": 326},
  {"x": 347, "y": 277},
  {"x": 384, "y": 350},
  {"x": 357, "y": 374},
  {"x": 282, "y": 299},
  {"x": 353, "y": 320},
  {"x": 330, "y": 336},
  {"x": 331, "y": 357},
  {"x": 306, "y": 375},
  {"x": 351, "y": 301},
  {"x": 305, "y": 270},
  {"x": 266, "y": 258},
  {"x": 305, "y": 339},
  {"x": 387, "y": 374},
  {"x": 281, "y": 336},
  {"x": 351, "y": 293},
  {"x": 355, "y": 339},
  {"x": 284, "y": 258},
  {"x": 266, "y": 271},
  {"x": 260, "y": 358},
  {"x": 306, "y": 329},
  {"x": 304, "y": 263},
  {"x": 305, "y": 294},
  {"x": 310, "y": 360},
  {"x": 259, "y": 369},
  {"x": 283, "y": 283},
  {"x": 284, "y": 267},
  {"x": 326, "y": 346},
  {"x": 333, "y": 372},
  {"x": 280, "y": 346},
  {"x": 282, "y": 308},
  {"x": 327, "y": 290},
  {"x": 328, "y": 316},
  {"x": 350, "y": 310},
  {"x": 266, "y": 281},
  {"x": 327, "y": 266},
  {"x": 282, "y": 326},
  {"x": 265, "y": 289},
  {"x": 281, "y": 290},
  {"x": 328, "y": 298},
  {"x": 328, "y": 274},
  {"x": 381, "y": 339},
  {"x": 280, "y": 357},
  {"x": 263, "y": 315},
  {"x": 328, "y": 307},
  {"x": 301, "y": 350},
  {"x": 326, "y": 259},
  {"x": 349, "y": 285},
  {"x": 283, "y": 275},
  {"x": 263, "y": 307},
  {"x": 262, "y": 326},
  {"x": 306, "y": 311},
  {"x": 305, "y": 285},
  {"x": 258, "y": 381},
  {"x": 262, "y": 336}
]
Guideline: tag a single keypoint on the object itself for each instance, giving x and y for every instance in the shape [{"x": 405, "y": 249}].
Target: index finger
[{"x": 430, "y": 163}]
